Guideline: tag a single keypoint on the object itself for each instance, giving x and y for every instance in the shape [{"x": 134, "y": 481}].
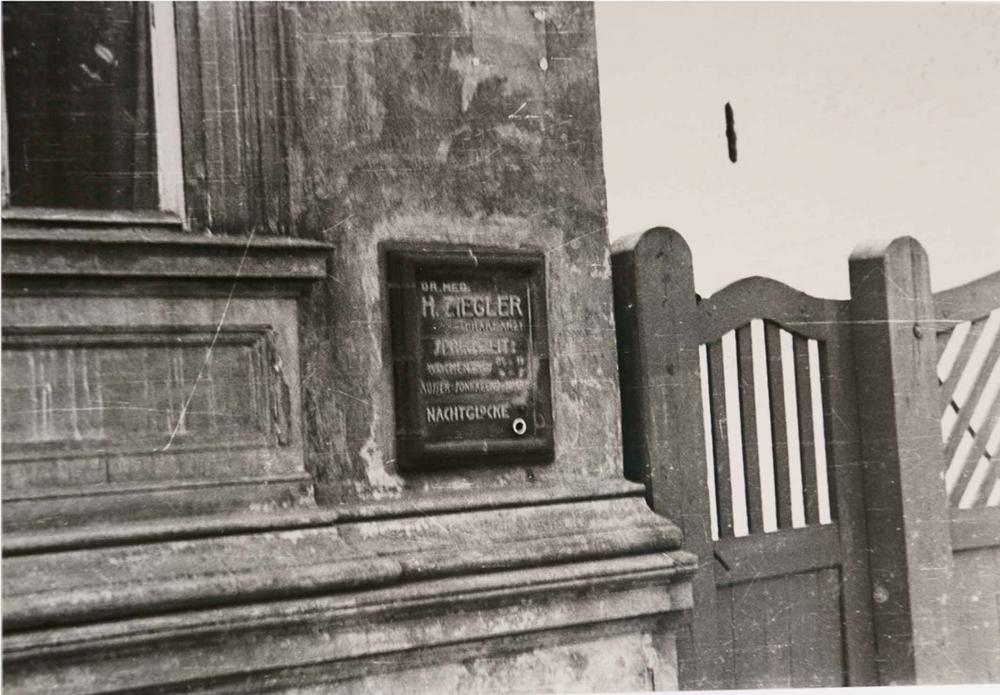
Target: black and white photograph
[{"x": 415, "y": 348}]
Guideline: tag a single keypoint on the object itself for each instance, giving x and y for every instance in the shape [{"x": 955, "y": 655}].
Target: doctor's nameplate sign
[{"x": 470, "y": 350}]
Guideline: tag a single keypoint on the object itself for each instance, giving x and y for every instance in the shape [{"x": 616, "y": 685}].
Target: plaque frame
[{"x": 415, "y": 449}]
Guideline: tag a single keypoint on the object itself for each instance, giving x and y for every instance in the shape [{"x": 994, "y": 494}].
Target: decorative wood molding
[{"x": 762, "y": 298}]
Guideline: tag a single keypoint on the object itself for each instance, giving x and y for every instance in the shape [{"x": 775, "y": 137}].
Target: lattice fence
[{"x": 969, "y": 373}]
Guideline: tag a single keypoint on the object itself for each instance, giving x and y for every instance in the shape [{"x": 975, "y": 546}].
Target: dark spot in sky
[{"x": 731, "y": 133}]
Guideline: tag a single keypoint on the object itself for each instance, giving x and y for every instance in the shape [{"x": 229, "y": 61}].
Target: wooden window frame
[{"x": 166, "y": 105}]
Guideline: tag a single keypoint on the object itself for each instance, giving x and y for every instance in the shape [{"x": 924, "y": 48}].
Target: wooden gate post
[
  {"x": 662, "y": 416},
  {"x": 895, "y": 354}
]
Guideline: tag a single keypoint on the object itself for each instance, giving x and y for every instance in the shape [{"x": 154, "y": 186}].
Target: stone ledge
[
  {"x": 630, "y": 655},
  {"x": 147, "y": 245},
  {"x": 192, "y": 527},
  {"x": 28, "y": 516},
  {"x": 202, "y": 603},
  {"x": 190, "y": 650},
  {"x": 125, "y": 581}
]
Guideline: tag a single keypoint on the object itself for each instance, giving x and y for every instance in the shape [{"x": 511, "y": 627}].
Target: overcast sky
[{"x": 854, "y": 121}]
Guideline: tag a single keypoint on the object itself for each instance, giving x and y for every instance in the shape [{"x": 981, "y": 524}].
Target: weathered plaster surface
[
  {"x": 458, "y": 123},
  {"x": 634, "y": 662},
  {"x": 467, "y": 123}
]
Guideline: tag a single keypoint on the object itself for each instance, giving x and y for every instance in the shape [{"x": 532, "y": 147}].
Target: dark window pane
[{"x": 79, "y": 105}]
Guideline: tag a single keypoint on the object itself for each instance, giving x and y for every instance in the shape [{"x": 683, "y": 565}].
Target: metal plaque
[{"x": 470, "y": 351}]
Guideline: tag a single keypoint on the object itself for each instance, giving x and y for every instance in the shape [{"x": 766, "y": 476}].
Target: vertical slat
[
  {"x": 720, "y": 439},
  {"x": 821, "y": 424},
  {"x": 734, "y": 426},
  {"x": 750, "y": 615},
  {"x": 817, "y": 655},
  {"x": 831, "y": 428},
  {"x": 779, "y": 430},
  {"x": 725, "y": 670},
  {"x": 807, "y": 445},
  {"x": 801, "y": 634},
  {"x": 706, "y": 410},
  {"x": 834, "y": 668},
  {"x": 761, "y": 635},
  {"x": 778, "y": 662},
  {"x": 751, "y": 447}
]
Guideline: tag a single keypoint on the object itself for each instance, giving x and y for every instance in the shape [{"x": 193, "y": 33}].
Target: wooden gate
[
  {"x": 796, "y": 442},
  {"x": 783, "y": 597},
  {"x": 792, "y": 584}
]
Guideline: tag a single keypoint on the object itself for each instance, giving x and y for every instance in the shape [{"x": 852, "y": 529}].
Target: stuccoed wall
[
  {"x": 358, "y": 124},
  {"x": 640, "y": 661},
  {"x": 446, "y": 122}
]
